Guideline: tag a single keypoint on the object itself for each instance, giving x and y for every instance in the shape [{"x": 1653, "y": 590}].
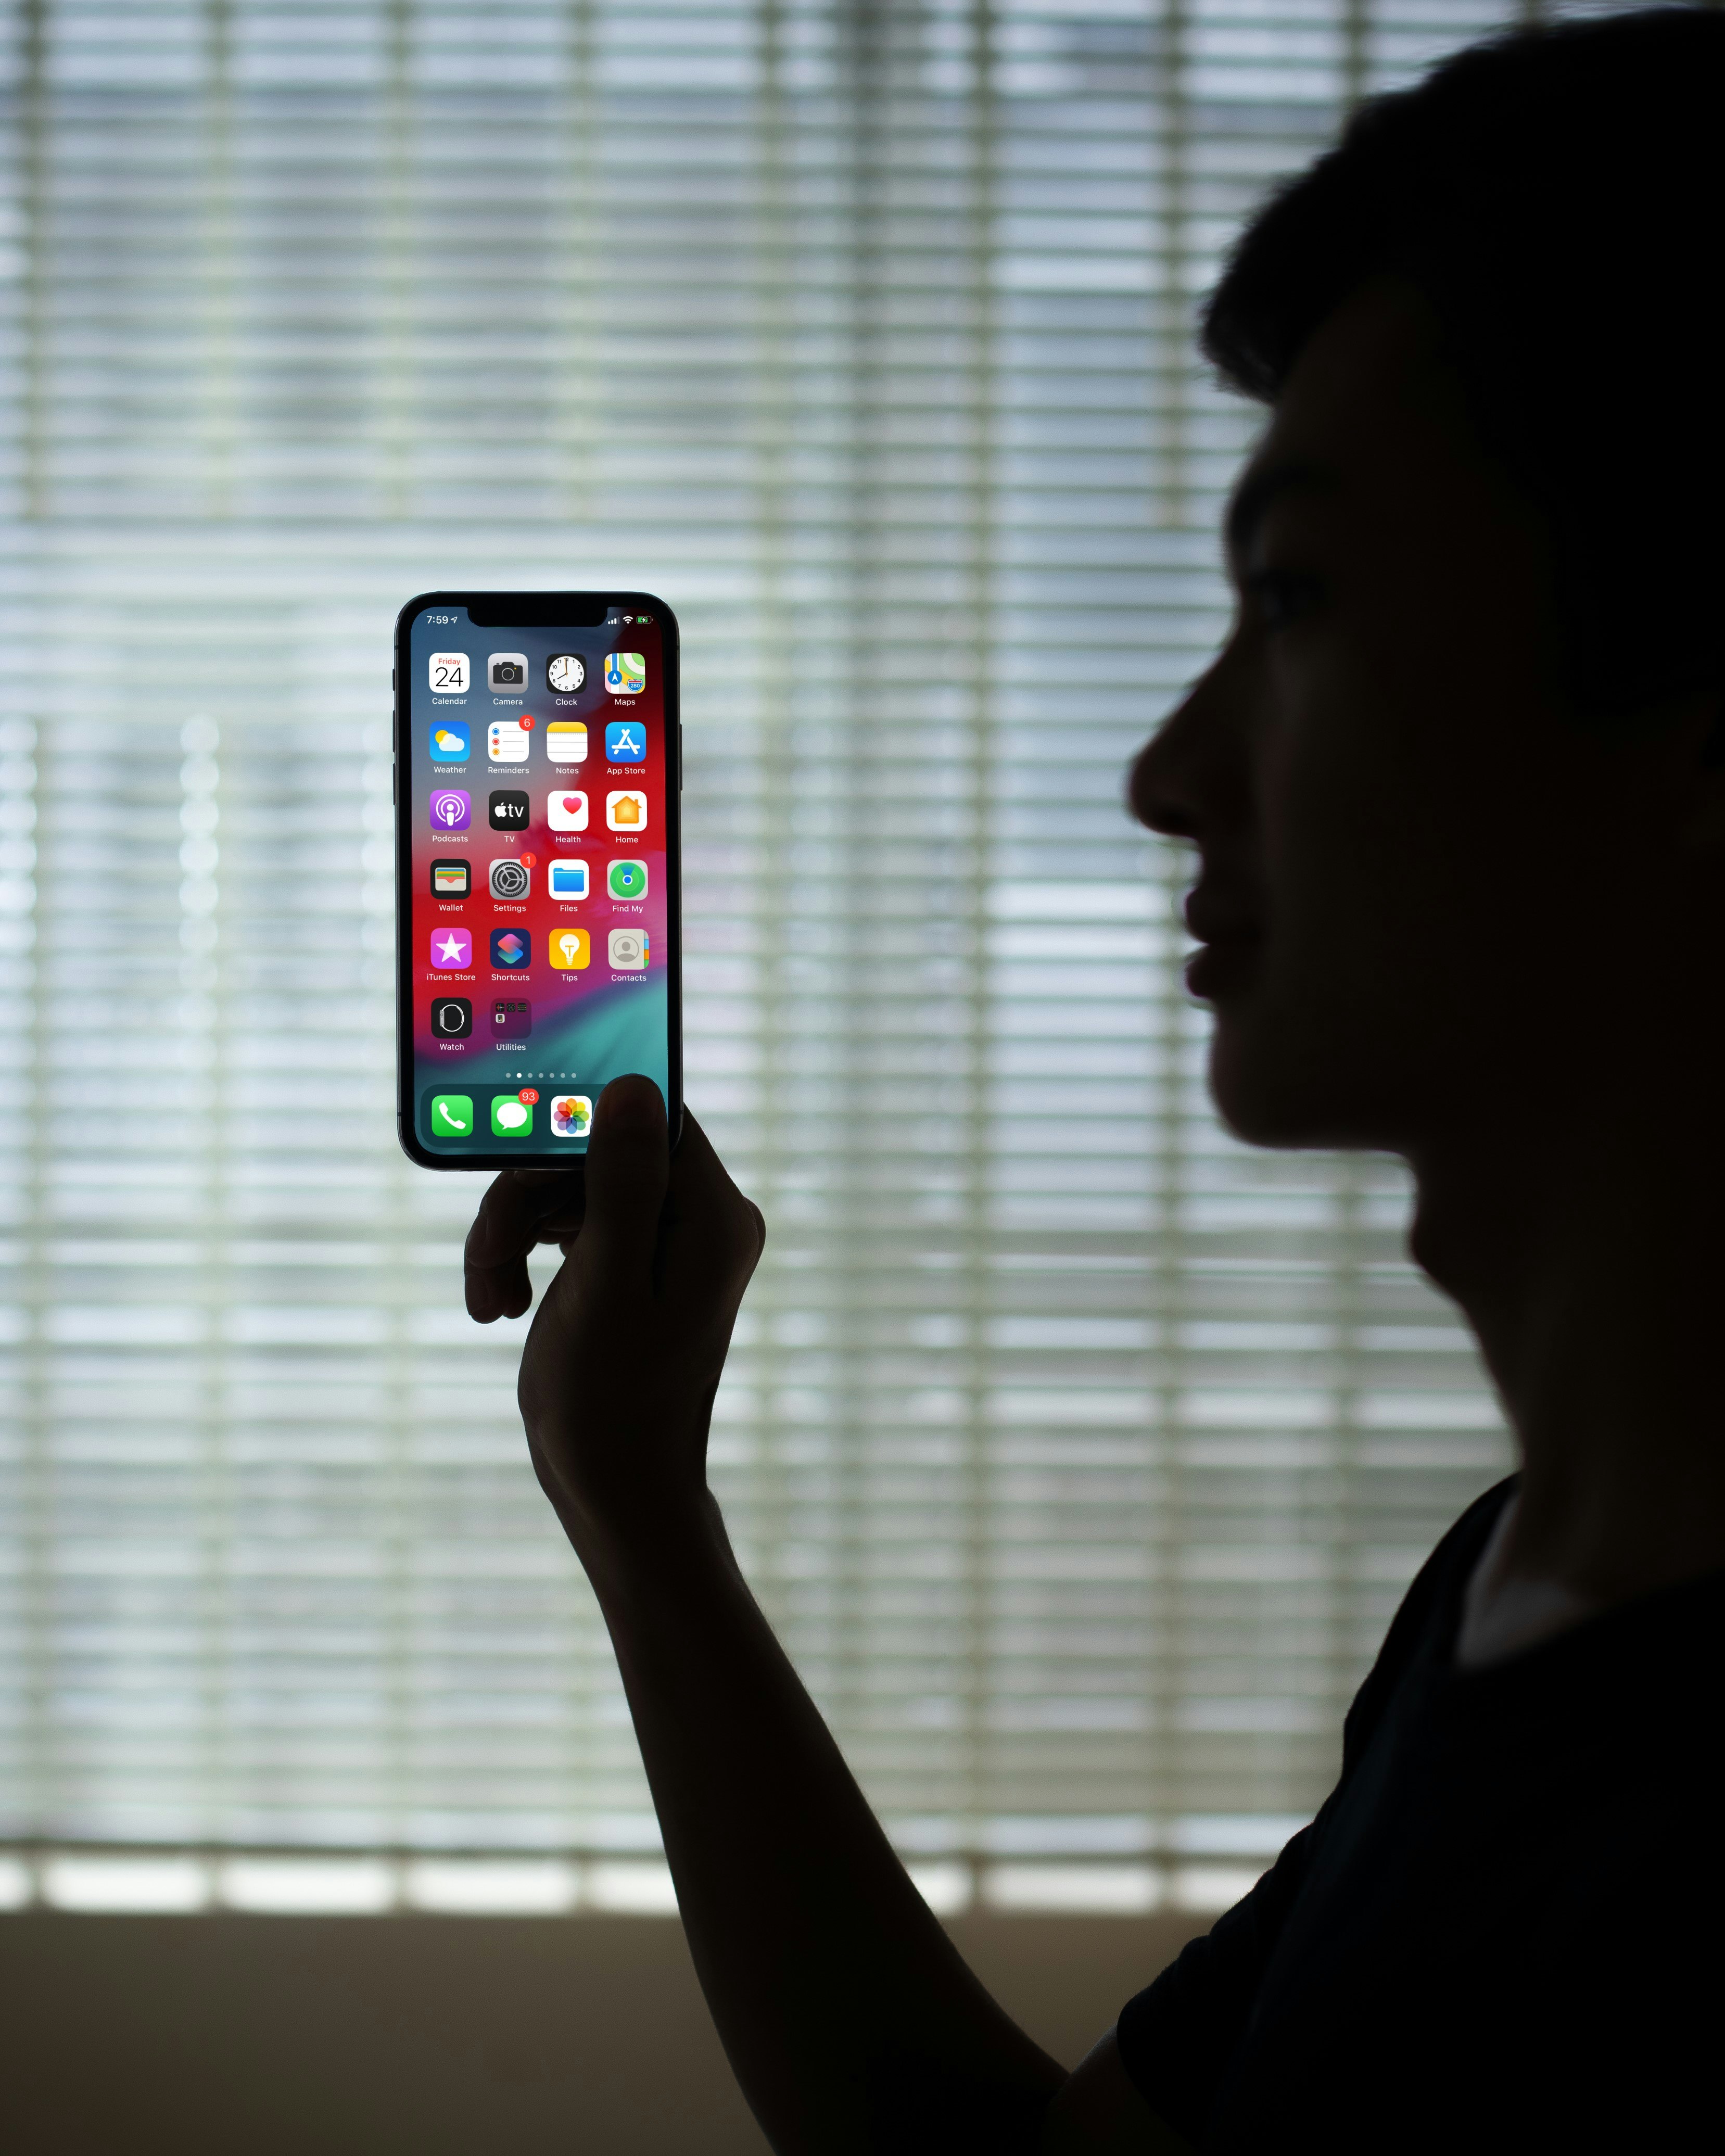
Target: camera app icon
[
  {"x": 510, "y": 879},
  {"x": 507, "y": 670}
]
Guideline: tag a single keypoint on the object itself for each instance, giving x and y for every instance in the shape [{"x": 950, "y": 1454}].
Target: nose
[{"x": 1184, "y": 777}]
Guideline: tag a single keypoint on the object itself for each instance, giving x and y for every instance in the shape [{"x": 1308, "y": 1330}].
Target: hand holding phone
[{"x": 625, "y": 1356}]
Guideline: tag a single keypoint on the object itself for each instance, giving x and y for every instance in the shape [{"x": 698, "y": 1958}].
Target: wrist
[{"x": 635, "y": 1550}]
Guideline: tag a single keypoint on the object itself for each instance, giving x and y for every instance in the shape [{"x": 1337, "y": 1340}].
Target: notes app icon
[
  {"x": 570, "y": 949},
  {"x": 626, "y": 811},
  {"x": 566, "y": 740}
]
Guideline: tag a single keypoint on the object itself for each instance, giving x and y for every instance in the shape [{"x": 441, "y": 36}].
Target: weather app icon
[
  {"x": 449, "y": 742},
  {"x": 512, "y": 947},
  {"x": 451, "y": 810},
  {"x": 626, "y": 741}
]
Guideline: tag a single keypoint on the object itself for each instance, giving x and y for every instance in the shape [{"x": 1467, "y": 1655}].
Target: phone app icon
[
  {"x": 511, "y": 1118},
  {"x": 512, "y": 1015},
  {"x": 507, "y": 670},
  {"x": 451, "y": 810},
  {"x": 569, "y": 878},
  {"x": 508, "y": 740},
  {"x": 566, "y": 812},
  {"x": 512, "y": 948},
  {"x": 451, "y": 948},
  {"x": 627, "y": 950},
  {"x": 570, "y": 950},
  {"x": 625, "y": 672},
  {"x": 626, "y": 878},
  {"x": 451, "y": 1115},
  {"x": 509, "y": 810},
  {"x": 626, "y": 741},
  {"x": 570, "y": 1115},
  {"x": 451, "y": 1017},
  {"x": 566, "y": 671},
  {"x": 511, "y": 878},
  {"x": 626, "y": 811},
  {"x": 450, "y": 880},
  {"x": 450, "y": 742},
  {"x": 451, "y": 673},
  {"x": 566, "y": 740}
]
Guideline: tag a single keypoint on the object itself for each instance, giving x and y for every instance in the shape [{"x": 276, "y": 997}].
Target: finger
[
  {"x": 494, "y": 1260},
  {"x": 627, "y": 1166},
  {"x": 726, "y": 1232}
]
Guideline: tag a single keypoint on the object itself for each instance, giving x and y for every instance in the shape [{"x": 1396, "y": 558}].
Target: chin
[{"x": 1318, "y": 1081}]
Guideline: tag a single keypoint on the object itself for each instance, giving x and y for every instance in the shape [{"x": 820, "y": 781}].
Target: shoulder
[{"x": 1433, "y": 1601}]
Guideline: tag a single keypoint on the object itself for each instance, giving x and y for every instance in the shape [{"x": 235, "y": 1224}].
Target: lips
[{"x": 1231, "y": 935}]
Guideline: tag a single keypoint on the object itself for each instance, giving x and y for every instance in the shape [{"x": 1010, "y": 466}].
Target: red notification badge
[{"x": 529, "y": 1094}]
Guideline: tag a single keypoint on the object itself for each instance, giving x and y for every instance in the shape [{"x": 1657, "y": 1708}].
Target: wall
[{"x": 259, "y": 2037}]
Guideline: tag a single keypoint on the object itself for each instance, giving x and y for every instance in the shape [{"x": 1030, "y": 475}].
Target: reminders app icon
[{"x": 569, "y": 878}]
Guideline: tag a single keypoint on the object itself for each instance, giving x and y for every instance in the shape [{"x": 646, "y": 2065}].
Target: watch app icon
[{"x": 451, "y": 1017}]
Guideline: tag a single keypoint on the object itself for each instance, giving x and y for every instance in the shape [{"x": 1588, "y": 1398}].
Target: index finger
[{"x": 522, "y": 1205}]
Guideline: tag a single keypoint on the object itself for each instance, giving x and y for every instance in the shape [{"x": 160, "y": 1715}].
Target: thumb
[{"x": 628, "y": 1169}]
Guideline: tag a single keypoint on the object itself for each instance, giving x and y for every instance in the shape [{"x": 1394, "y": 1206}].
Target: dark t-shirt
[{"x": 1505, "y": 1929}]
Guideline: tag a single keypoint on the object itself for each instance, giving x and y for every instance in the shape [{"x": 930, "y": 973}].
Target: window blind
[{"x": 1079, "y": 1454}]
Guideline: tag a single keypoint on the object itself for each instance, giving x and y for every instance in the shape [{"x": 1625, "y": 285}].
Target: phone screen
[{"x": 538, "y": 871}]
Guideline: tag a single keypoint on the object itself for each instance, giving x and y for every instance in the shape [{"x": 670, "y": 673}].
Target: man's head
[{"x": 1456, "y": 764}]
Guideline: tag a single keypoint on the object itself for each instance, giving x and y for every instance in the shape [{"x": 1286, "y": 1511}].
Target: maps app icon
[{"x": 625, "y": 672}]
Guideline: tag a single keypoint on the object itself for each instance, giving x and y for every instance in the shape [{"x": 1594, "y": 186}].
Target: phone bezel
[{"x": 531, "y": 610}]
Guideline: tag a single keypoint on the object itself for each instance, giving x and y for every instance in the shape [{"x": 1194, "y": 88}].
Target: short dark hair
[{"x": 1559, "y": 194}]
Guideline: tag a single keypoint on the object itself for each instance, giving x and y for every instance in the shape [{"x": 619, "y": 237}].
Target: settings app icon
[{"x": 510, "y": 879}]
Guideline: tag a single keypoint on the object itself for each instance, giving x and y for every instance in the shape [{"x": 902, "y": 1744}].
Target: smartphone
[{"x": 538, "y": 938}]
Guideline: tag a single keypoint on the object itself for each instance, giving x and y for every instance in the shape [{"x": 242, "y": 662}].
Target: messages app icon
[{"x": 452, "y": 1116}]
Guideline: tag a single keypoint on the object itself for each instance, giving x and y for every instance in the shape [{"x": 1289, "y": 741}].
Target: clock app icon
[{"x": 565, "y": 672}]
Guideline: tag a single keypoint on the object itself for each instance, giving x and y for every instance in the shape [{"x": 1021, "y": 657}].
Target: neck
[{"x": 1588, "y": 1260}]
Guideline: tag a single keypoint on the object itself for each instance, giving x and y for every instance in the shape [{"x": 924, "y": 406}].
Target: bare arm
[{"x": 851, "y": 2021}]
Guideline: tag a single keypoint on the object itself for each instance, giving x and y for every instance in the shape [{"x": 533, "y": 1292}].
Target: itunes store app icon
[{"x": 451, "y": 810}]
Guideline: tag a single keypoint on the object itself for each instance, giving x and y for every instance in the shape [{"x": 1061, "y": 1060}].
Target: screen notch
[{"x": 541, "y": 610}]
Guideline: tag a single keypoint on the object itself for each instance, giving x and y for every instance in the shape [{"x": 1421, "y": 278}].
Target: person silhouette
[{"x": 1457, "y": 787}]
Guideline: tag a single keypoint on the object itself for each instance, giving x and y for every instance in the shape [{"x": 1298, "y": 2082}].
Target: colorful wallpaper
[{"x": 535, "y": 761}]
